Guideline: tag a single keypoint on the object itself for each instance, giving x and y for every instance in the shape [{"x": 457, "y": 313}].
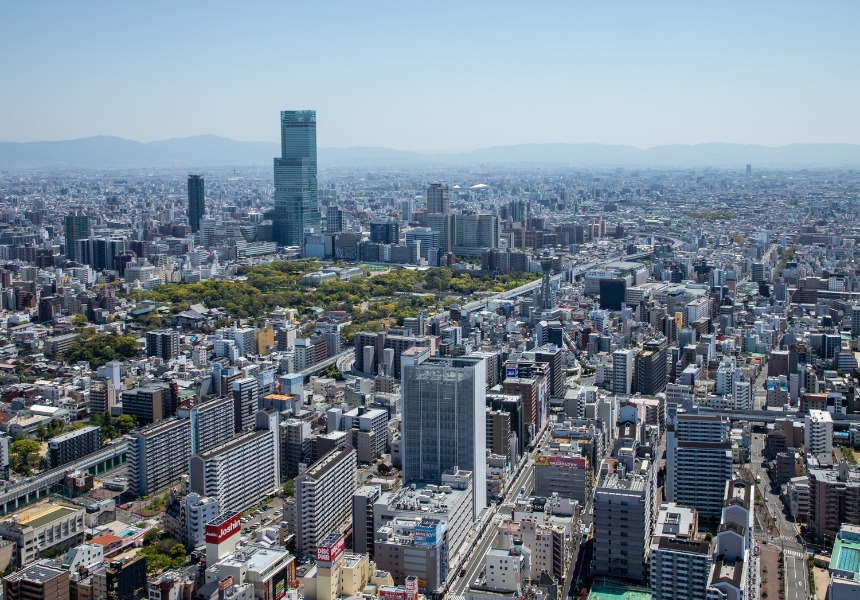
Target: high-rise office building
[
  {"x": 651, "y": 367},
  {"x": 622, "y": 371},
  {"x": 196, "y": 202},
  {"x": 163, "y": 343},
  {"x": 334, "y": 220},
  {"x": 385, "y": 231},
  {"x": 363, "y": 530},
  {"x": 443, "y": 402},
  {"x": 855, "y": 321},
  {"x": 146, "y": 404},
  {"x": 438, "y": 198},
  {"x": 296, "y": 207},
  {"x": 77, "y": 227},
  {"x": 246, "y": 402},
  {"x": 698, "y": 462}
]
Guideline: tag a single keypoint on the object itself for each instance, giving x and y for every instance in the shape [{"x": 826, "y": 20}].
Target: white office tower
[
  {"x": 732, "y": 574},
  {"x": 680, "y": 564},
  {"x": 444, "y": 425},
  {"x": 622, "y": 371},
  {"x": 239, "y": 473},
  {"x": 698, "y": 462},
  {"x": 323, "y": 502},
  {"x": 742, "y": 394},
  {"x": 818, "y": 433},
  {"x": 727, "y": 373}
]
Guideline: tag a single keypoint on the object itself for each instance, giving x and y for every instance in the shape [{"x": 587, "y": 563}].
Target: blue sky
[{"x": 434, "y": 75}]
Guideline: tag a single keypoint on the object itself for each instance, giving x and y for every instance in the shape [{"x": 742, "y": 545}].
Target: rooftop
[
  {"x": 614, "y": 590},
  {"x": 44, "y": 514},
  {"x": 845, "y": 560}
]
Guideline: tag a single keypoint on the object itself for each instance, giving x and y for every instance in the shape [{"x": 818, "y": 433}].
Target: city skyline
[{"x": 496, "y": 74}]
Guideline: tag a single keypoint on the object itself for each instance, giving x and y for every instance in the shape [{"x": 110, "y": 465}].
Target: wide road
[
  {"x": 785, "y": 534},
  {"x": 533, "y": 285},
  {"x": 477, "y": 547}
]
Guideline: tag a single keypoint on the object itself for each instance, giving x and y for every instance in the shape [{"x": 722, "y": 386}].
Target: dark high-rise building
[
  {"x": 163, "y": 343},
  {"x": 77, "y": 226},
  {"x": 334, "y": 220},
  {"x": 196, "y": 202},
  {"x": 385, "y": 232},
  {"x": 71, "y": 446},
  {"x": 296, "y": 206},
  {"x": 438, "y": 198},
  {"x": 612, "y": 293},
  {"x": 651, "y": 367}
]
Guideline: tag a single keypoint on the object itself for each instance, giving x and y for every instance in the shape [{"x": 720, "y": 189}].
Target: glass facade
[
  {"x": 296, "y": 207},
  {"x": 196, "y": 203}
]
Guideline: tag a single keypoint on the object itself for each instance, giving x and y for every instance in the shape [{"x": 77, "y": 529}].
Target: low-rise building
[{"x": 42, "y": 527}]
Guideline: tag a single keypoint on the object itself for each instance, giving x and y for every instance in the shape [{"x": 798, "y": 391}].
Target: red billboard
[
  {"x": 330, "y": 551},
  {"x": 223, "y": 527},
  {"x": 567, "y": 462}
]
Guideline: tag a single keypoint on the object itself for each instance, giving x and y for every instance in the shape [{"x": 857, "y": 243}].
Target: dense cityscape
[{"x": 480, "y": 382}]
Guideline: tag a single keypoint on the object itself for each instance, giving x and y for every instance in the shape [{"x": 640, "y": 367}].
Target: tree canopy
[
  {"x": 100, "y": 348},
  {"x": 369, "y": 299}
]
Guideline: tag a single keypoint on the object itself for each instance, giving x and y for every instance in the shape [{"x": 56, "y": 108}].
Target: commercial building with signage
[
  {"x": 414, "y": 547},
  {"x": 450, "y": 502},
  {"x": 323, "y": 502},
  {"x": 419, "y": 526},
  {"x": 560, "y": 468},
  {"x": 222, "y": 536},
  {"x": 272, "y": 571}
]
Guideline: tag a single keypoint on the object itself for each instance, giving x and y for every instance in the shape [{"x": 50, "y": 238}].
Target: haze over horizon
[{"x": 435, "y": 78}]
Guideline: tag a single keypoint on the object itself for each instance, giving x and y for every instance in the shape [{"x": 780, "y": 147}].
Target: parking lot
[{"x": 269, "y": 514}]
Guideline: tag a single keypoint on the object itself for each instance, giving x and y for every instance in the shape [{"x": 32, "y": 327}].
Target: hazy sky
[{"x": 434, "y": 75}]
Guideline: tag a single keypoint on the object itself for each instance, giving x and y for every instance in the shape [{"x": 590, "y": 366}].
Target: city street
[
  {"x": 785, "y": 534},
  {"x": 476, "y": 548}
]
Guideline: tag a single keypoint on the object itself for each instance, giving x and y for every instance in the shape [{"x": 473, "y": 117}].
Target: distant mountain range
[{"x": 105, "y": 152}]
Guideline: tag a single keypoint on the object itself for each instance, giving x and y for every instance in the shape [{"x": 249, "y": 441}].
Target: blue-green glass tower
[{"x": 296, "y": 207}]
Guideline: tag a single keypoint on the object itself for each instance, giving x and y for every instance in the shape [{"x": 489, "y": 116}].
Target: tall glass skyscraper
[
  {"x": 296, "y": 207},
  {"x": 196, "y": 202},
  {"x": 77, "y": 226}
]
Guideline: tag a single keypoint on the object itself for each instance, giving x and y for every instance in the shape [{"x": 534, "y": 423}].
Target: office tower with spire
[
  {"x": 196, "y": 202},
  {"x": 296, "y": 208},
  {"x": 77, "y": 227},
  {"x": 438, "y": 199}
]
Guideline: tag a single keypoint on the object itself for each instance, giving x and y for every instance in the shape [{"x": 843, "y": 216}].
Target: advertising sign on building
[
  {"x": 567, "y": 462},
  {"x": 330, "y": 548},
  {"x": 223, "y": 527}
]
